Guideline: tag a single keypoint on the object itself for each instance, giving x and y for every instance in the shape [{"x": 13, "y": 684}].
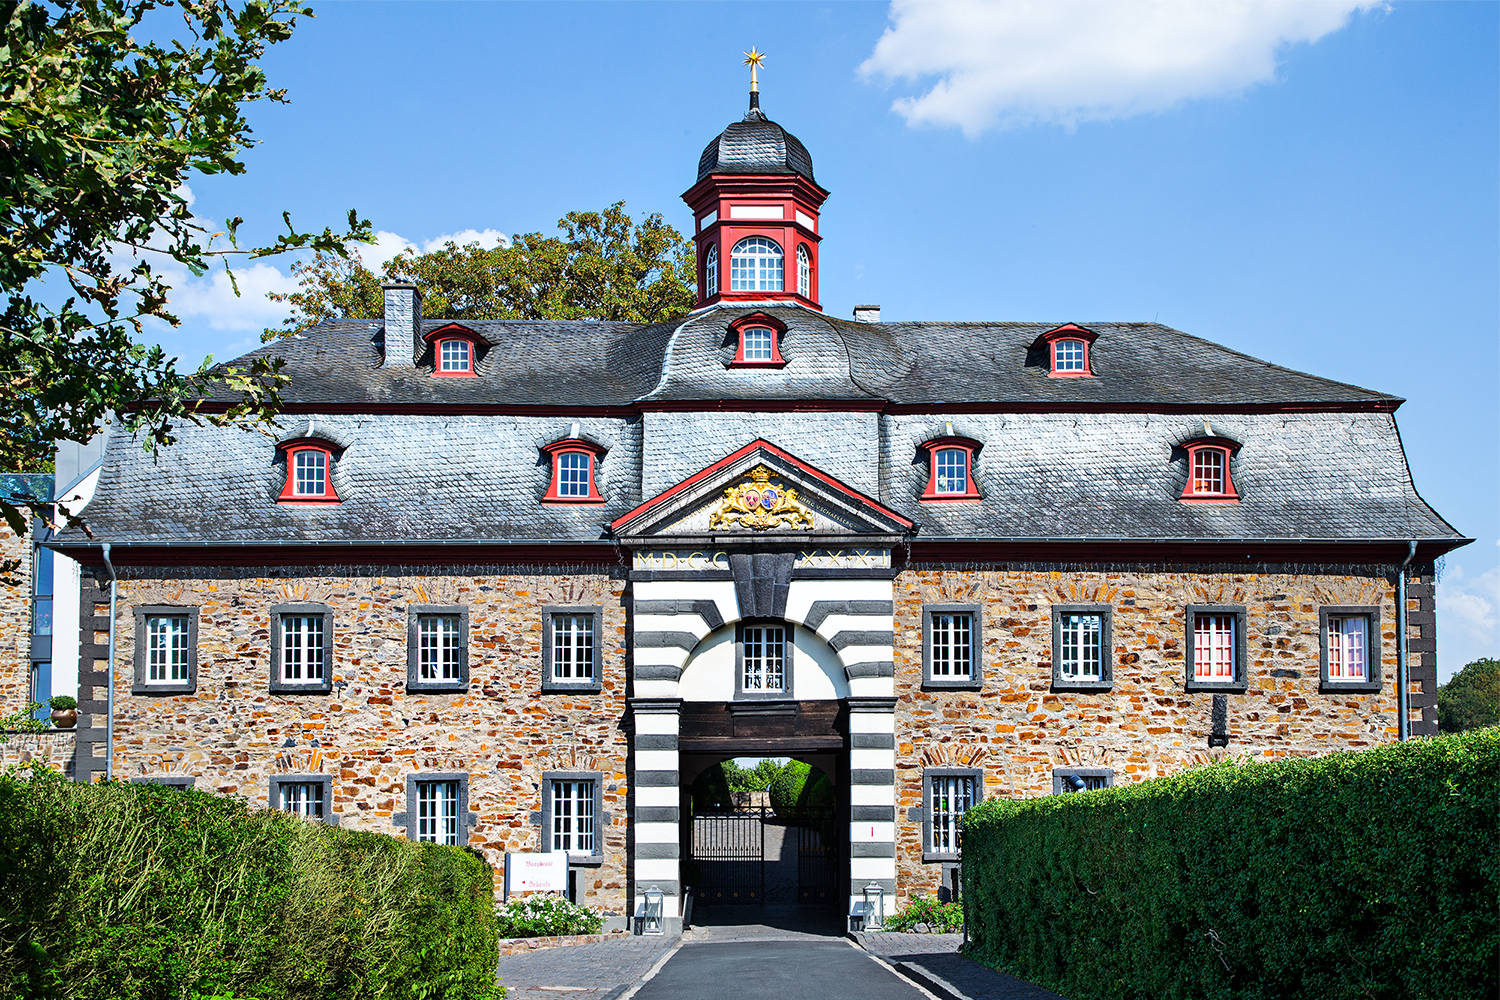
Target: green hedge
[
  {"x": 1371, "y": 875},
  {"x": 140, "y": 892}
]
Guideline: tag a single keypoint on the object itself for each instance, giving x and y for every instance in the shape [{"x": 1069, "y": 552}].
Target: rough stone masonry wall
[
  {"x": 15, "y": 622},
  {"x": 54, "y": 749},
  {"x": 232, "y": 735},
  {"x": 1017, "y": 729}
]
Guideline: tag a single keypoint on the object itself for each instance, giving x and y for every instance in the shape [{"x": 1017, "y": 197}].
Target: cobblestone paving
[
  {"x": 937, "y": 956},
  {"x": 583, "y": 972}
]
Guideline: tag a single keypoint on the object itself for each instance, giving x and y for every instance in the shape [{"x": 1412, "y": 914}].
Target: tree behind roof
[
  {"x": 1471, "y": 698},
  {"x": 603, "y": 266}
]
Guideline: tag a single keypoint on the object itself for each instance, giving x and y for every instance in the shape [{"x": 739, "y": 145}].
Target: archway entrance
[{"x": 776, "y": 844}]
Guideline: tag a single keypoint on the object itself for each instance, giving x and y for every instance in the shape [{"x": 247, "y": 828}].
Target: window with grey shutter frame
[
  {"x": 166, "y": 650},
  {"x": 437, "y": 648},
  {"x": 948, "y": 793},
  {"x": 1082, "y": 637},
  {"x": 952, "y": 646},
  {"x": 573, "y": 816},
  {"x": 1349, "y": 649},
  {"x": 572, "y": 644},
  {"x": 301, "y": 649}
]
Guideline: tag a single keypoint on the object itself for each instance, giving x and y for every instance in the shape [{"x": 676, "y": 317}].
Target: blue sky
[{"x": 1315, "y": 185}]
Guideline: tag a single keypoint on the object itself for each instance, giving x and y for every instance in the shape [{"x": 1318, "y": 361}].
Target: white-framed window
[
  {"x": 756, "y": 264},
  {"x": 949, "y": 797},
  {"x": 763, "y": 658},
  {"x": 804, "y": 272},
  {"x": 573, "y": 474},
  {"x": 1348, "y": 648},
  {"x": 758, "y": 344},
  {"x": 437, "y": 812},
  {"x": 572, "y": 814},
  {"x": 311, "y": 472},
  {"x": 711, "y": 272},
  {"x": 455, "y": 355},
  {"x": 1068, "y": 356},
  {"x": 1080, "y": 650},
  {"x": 952, "y": 470},
  {"x": 952, "y": 650},
  {"x": 168, "y": 650},
  {"x": 1213, "y": 647},
  {"x": 304, "y": 649},
  {"x": 305, "y": 798},
  {"x": 1208, "y": 470},
  {"x": 440, "y": 643},
  {"x": 573, "y": 647}
]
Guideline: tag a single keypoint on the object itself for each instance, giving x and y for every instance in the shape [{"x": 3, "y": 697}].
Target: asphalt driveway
[{"x": 828, "y": 969}]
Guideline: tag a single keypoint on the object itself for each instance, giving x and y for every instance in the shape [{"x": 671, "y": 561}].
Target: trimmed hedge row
[
  {"x": 1370, "y": 875},
  {"x": 142, "y": 892}
]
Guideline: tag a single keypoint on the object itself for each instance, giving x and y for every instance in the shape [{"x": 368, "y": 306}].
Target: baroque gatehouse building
[{"x": 515, "y": 585}]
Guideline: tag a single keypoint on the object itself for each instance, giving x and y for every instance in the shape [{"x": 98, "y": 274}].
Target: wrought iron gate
[{"x": 728, "y": 854}]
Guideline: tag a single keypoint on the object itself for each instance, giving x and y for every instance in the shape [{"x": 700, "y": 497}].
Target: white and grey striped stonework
[
  {"x": 872, "y": 796},
  {"x": 854, "y": 617},
  {"x": 655, "y": 821}
]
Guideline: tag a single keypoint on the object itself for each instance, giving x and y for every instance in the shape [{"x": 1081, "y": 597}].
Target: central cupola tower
[{"x": 755, "y": 212}]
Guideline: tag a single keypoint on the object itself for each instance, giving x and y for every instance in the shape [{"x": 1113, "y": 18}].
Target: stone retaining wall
[{"x": 54, "y": 748}]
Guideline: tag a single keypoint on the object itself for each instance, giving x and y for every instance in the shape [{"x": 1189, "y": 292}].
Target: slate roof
[
  {"x": 1107, "y": 468},
  {"x": 591, "y": 363},
  {"x": 755, "y": 145}
]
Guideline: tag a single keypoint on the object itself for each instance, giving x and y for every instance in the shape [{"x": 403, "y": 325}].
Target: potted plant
[{"x": 64, "y": 711}]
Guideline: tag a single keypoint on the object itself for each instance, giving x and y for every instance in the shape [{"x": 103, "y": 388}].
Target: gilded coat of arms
[{"x": 761, "y": 504}]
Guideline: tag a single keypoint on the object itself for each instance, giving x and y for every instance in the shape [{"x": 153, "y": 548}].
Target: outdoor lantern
[
  {"x": 874, "y": 906},
  {"x": 652, "y": 922}
]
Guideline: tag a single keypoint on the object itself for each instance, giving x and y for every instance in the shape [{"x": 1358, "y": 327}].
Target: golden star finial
[{"x": 754, "y": 59}]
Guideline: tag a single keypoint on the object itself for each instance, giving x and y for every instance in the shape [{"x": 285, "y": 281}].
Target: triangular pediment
[{"x": 761, "y": 491}]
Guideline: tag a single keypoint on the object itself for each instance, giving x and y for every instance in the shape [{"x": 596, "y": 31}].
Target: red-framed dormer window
[
  {"x": 951, "y": 469},
  {"x": 574, "y": 465},
  {"x": 309, "y": 472},
  {"x": 1069, "y": 349},
  {"x": 455, "y": 350},
  {"x": 1208, "y": 466},
  {"x": 758, "y": 341}
]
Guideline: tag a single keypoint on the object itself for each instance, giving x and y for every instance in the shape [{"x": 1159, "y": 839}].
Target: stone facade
[
  {"x": 232, "y": 735},
  {"x": 53, "y": 748},
  {"x": 1017, "y": 729},
  {"x": 15, "y": 622}
]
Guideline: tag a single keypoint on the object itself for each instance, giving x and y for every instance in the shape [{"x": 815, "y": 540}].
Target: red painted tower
[{"x": 755, "y": 211}]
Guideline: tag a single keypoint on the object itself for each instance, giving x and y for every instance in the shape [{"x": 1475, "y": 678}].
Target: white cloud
[
  {"x": 1012, "y": 63},
  {"x": 1468, "y": 618},
  {"x": 387, "y": 245}
]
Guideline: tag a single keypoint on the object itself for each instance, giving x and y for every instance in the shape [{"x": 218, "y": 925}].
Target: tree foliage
[
  {"x": 602, "y": 266},
  {"x": 100, "y": 128},
  {"x": 1471, "y": 698}
]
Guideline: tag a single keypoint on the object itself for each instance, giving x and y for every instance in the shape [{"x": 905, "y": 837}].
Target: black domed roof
[{"x": 755, "y": 145}]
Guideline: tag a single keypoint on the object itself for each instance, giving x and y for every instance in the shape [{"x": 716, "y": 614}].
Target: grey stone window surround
[
  {"x": 1374, "y": 648},
  {"x": 1058, "y": 773},
  {"x": 141, "y": 613},
  {"x": 975, "y": 680},
  {"x": 1241, "y": 680},
  {"x": 1106, "y": 680},
  {"x": 787, "y": 664},
  {"x": 549, "y": 684},
  {"x": 279, "y": 611},
  {"x": 169, "y": 780},
  {"x": 275, "y": 781},
  {"x": 466, "y": 820},
  {"x": 928, "y": 773},
  {"x": 414, "y": 681},
  {"x": 601, "y": 818}
]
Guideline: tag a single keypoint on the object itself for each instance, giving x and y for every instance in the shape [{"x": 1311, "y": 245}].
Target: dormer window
[
  {"x": 951, "y": 475},
  {"x": 455, "y": 351},
  {"x": 758, "y": 337},
  {"x": 1208, "y": 466},
  {"x": 1068, "y": 351},
  {"x": 455, "y": 357},
  {"x": 309, "y": 472},
  {"x": 574, "y": 463}
]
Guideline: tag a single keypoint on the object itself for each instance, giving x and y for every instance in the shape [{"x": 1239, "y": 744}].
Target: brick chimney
[{"x": 403, "y": 325}]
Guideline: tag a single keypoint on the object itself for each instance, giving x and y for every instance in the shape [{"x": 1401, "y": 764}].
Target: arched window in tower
[
  {"x": 711, "y": 272},
  {"x": 804, "y": 272},
  {"x": 756, "y": 265}
]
